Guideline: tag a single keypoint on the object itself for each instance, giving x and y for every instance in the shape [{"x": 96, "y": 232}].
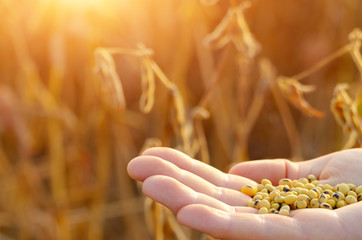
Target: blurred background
[{"x": 74, "y": 73}]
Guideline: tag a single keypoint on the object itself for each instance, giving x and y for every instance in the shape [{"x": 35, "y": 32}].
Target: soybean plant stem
[{"x": 345, "y": 49}]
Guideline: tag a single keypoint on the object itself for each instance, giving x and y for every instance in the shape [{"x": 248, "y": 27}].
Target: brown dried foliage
[{"x": 67, "y": 132}]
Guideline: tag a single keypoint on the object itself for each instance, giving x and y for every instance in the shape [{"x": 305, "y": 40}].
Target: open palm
[{"x": 210, "y": 201}]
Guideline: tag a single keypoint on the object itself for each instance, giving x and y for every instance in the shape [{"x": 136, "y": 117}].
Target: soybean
[{"x": 298, "y": 194}]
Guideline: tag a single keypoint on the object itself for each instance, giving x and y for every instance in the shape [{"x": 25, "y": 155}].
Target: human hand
[{"x": 210, "y": 201}]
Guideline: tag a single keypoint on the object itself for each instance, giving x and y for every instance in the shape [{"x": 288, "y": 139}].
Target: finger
[
  {"x": 198, "y": 168},
  {"x": 349, "y": 216},
  {"x": 273, "y": 170},
  {"x": 143, "y": 167},
  {"x": 306, "y": 224},
  {"x": 175, "y": 195},
  {"x": 226, "y": 225}
]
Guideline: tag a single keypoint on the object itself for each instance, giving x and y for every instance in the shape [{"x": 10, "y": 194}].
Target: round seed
[
  {"x": 311, "y": 178},
  {"x": 359, "y": 197},
  {"x": 352, "y": 193},
  {"x": 269, "y": 187},
  {"x": 309, "y": 186},
  {"x": 249, "y": 190},
  {"x": 290, "y": 199},
  {"x": 279, "y": 199},
  {"x": 341, "y": 203},
  {"x": 299, "y": 184},
  {"x": 327, "y": 186},
  {"x": 300, "y": 203},
  {"x": 358, "y": 189},
  {"x": 264, "y": 195},
  {"x": 273, "y": 210},
  {"x": 257, "y": 204},
  {"x": 325, "y": 205},
  {"x": 250, "y": 203},
  {"x": 329, "y": 192},
  {"x": 260, "y": 187},
  {"x": 303, "y": 180},
  {"x": 284, "y": 212},
  {"x": 285, "y": 181},
  {"x": 351, "y": 186},
  {"x": 285, "y": 207},
  {"x": 314, "y": 203},
  {"x": 304, "y": 197},
  {"x": 350, "y": 199},
  {"x": 263, "y": 210},
  {"x": 264, "y": 190},
  {"x": 343, "y": 188},
  {"x": 266, "y": 181},
  {"x": 257, "y": 197},
  {"x": 332, "y": 203},
  {"x": 312, "y": 194},
  {"x": 315, "y": 182},
  {"x": 265, "y": 203},
  {"x": 275, "y": 206},
  {"x": 274, "y": 194},
  {"x": 323, "y": 198}
]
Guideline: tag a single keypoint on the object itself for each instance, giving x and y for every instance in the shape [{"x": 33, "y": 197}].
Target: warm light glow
[{"x": 82, "y": 3}]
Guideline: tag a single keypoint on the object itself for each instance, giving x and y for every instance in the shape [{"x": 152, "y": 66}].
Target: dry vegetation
[{"x": 85, "y": 86}]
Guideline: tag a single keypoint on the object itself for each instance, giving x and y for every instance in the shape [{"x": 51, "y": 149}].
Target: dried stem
[{"x": 345, "y": 49}]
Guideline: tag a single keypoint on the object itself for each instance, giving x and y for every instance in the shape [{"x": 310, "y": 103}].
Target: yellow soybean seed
[
  {"x": 323, "y": 198},
  {"x": 265, "y": 203},
  {"x": 338, "y": 196},
  {"x": 352, "y": 193},
  {"x": 319, "y": 190},
  {"x": 257, "y": 204},
  {"x": 257, "y": 197},
  {"x": 266, "y": 181},
  {"x": 303, "y": 191},
  {"x": 264, "y": 190},
  {"x": 249, "y": 190},
  {"x": 279, "y": 199},
  {"x": 312, "y": 194},
  {"x": 264, "y": 195},
  {"x": 260, "y": 187},
  {"x": 299, "y": 184},
  {"x": 290, "y": 199},
  {"x": 329, "y": 192},
  {"x": 311, "y": 178},
  {"x": 305, "y": 197},
  {"x": 303, "y": 180},
  {"x": 285, "y": 206},
  {"x": 341, "y": 203},
  {"x": 358, "y": 189},
  {"x": 284, "y": 212},
  {"x": 269, "y": 187},
  {"x": 331, "y": 202},
  {"x": 327, "y": 186},
  {"x": 250, "y": 203},
  {"x": 359, "y": 197},
  {"x": 343, "y": 188},
  {"x": 350, "y": 199},
  {"x": 273, "y": 210},
  {"x": 309, "y": 186},
  {"x": 300, "y": 203},
  {"x": 315, "y": 182},
  {"x": 285, "y": 181},
  {"x": 263, "y": 210},
  {"x": 275, "y": 206},
  {"x": 325, "y": 205},
  {"x": 351, "y": 186},
  {"x": 314, "y": 203},
  {"x": 274, "y": 194}
]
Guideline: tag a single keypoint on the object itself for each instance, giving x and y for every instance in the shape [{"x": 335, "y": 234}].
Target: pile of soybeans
[{"x": 302, "y": 193}]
